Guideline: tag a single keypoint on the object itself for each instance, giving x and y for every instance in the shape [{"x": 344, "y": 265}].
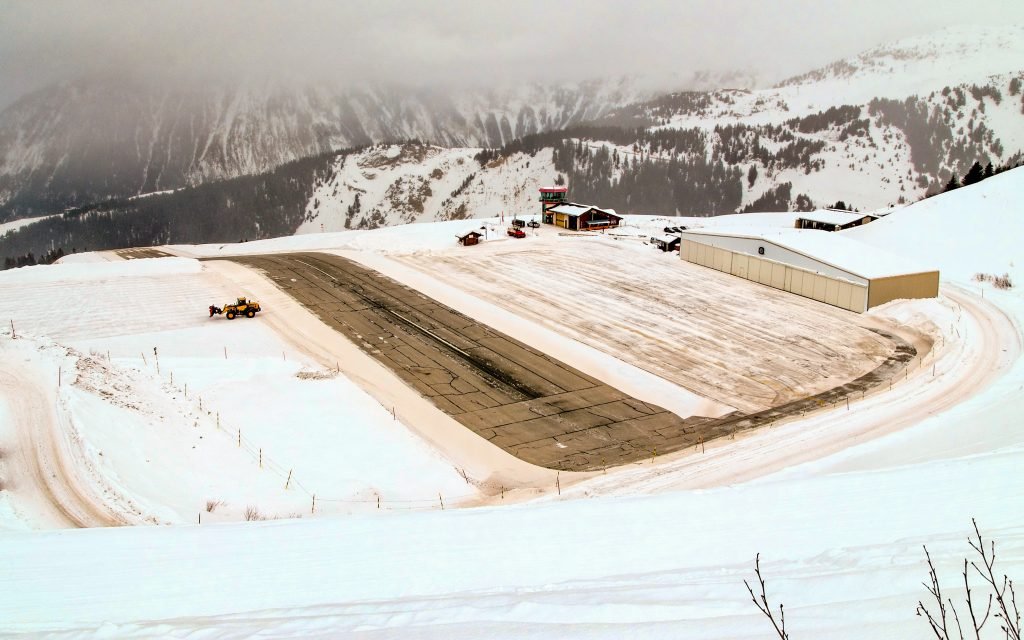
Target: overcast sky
[{"x": 434, "y": 41}]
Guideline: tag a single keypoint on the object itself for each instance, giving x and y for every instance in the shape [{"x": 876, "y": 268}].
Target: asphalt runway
[{"x": 535, "y": 407}]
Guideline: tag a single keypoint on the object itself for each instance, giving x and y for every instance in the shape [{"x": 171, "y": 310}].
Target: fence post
[
  {"x": 58, "y": 376},
  {"x": 261, "y": 457},
  {"x": 225, "y": 352},
  {"x": 558, "y": 483},
  {"x": 442, "y": 501},
  {"x": 289, "y": 480},
  {"x": 13, "y": 334},
  {"x": 239, "y": 438},
  {"x": 313, "y": 508}
]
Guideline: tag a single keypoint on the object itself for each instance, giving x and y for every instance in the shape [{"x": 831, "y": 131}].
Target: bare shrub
[
  {"x": 252, "y": 513},
  {"x": 999, "y": 282},
  {"x": 213, "y": 504},
  {"x": 316, "y": 375},
  {"x": 999, "y": 591}
]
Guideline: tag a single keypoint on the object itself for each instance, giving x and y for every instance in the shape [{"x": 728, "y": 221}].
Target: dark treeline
[
  {"x": 932, "y": 139},
  {"x": 631, "y": 183},
  {"x": 245, "y": 208}
]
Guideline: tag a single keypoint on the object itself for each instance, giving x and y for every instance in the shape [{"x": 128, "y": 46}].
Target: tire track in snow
[{"x": 42, "y": 464}]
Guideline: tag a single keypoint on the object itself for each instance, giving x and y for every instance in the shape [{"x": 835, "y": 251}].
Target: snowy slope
[
  {"x": 837, "y": 503},
  {"x": 986, "y": 217},
  {"x": 388, "y": 185}
]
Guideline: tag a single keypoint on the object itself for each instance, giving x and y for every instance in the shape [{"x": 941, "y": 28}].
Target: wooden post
[
  {"x": 289, "y": 480},
  {"x": 225, "y": 352},
  {"x": 186, "y": 389},
  {"x": 261, "y": 457},
  {"x": 58, "y": 376},
  {"x": 144, "y": 359},
  {"x": 394, "y": 414},
  {"x": 200, "y": 403},
  {"x": 13, "y": 334},
  {"x": 847, "y": 403},
  {"x": 442, "y": 501},
  {"x": 172, "y": 378},
  {"x": 200, "y": 518},
  {"x": 558, "y": 483},
  {"x": 283, "y": 358},
  {"x": 933, "y": 367},
  {"x": 239, "y": 431},
  {"x": 108, "y": 355},
  {"x": 378, "y": 501},
  {"x": 239, "y": 438},
  {"x": 313, "y": 509}
]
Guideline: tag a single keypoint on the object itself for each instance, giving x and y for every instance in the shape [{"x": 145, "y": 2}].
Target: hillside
[{"x": 836, "y": 504}]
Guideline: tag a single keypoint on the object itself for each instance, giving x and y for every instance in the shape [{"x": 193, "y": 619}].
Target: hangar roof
[
  {"x": 827, "y": 216},
  {"x": 831, "y": 248}
]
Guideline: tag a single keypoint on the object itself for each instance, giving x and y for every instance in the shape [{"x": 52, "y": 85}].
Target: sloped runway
[{"x": 537, "y": 408}]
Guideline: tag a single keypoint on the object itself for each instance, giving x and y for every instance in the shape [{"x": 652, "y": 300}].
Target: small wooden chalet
[
  {"x": 581, "y": 217},
  {"x": 832, "y": 220},
  {"x": 469, "y": 239}
]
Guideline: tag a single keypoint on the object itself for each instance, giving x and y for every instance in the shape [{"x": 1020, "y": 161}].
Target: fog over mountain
[{"x": 449, "y": 43}]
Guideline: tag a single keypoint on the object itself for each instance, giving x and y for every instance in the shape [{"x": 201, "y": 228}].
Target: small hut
[{"x": 469, "y": 239}]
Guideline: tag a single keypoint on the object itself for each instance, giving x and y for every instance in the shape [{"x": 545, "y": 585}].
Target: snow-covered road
[{"x": 44, "y": 464}]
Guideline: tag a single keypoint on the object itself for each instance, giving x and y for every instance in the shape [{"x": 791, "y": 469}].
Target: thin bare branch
[{"x": 763, "y": 606}]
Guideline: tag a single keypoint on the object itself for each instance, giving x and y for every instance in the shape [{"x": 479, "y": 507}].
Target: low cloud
[{"x": 450, "y": 42}]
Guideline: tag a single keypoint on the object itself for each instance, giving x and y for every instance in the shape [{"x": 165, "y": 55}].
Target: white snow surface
[{"x": 837, "y": 503}]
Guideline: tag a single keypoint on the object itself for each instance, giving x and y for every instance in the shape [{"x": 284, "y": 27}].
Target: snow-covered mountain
[
  {"x": 874, "y": 130},
  {"x": 90, "y": 140}
]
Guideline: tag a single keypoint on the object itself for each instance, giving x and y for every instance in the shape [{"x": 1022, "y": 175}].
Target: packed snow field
[{"x": 122, "y": 402}]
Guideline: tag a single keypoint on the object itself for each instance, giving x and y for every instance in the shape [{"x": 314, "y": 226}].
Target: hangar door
[{"x": 840, "y": 293}]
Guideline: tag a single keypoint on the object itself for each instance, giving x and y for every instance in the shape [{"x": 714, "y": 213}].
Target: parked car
[
  {"x": 517, "y": 223},
  {"x": 533, "y": 224},
  {"x": 516, "y": 232}
]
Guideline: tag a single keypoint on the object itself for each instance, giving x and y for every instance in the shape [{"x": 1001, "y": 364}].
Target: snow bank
[{"x": 86, "y": 270}]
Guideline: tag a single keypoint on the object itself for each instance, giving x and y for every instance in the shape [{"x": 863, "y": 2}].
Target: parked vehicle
[
  {"x": 533, "y": 224},
  {"x": 516, "y": 232}
]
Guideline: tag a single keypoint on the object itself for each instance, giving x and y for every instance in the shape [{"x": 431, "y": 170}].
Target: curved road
[
  {"x": 966, "y": 367},
  {"x": 42, "y": 466}
]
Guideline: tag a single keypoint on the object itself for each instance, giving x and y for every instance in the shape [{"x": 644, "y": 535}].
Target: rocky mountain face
[{"x": 92, "y": 140}]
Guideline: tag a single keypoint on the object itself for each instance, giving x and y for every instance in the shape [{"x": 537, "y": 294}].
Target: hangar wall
[
  {"x": 914, "y": 285},
  {"x": 839, "y": 292},
  {"x": 751, "y": 246}
]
